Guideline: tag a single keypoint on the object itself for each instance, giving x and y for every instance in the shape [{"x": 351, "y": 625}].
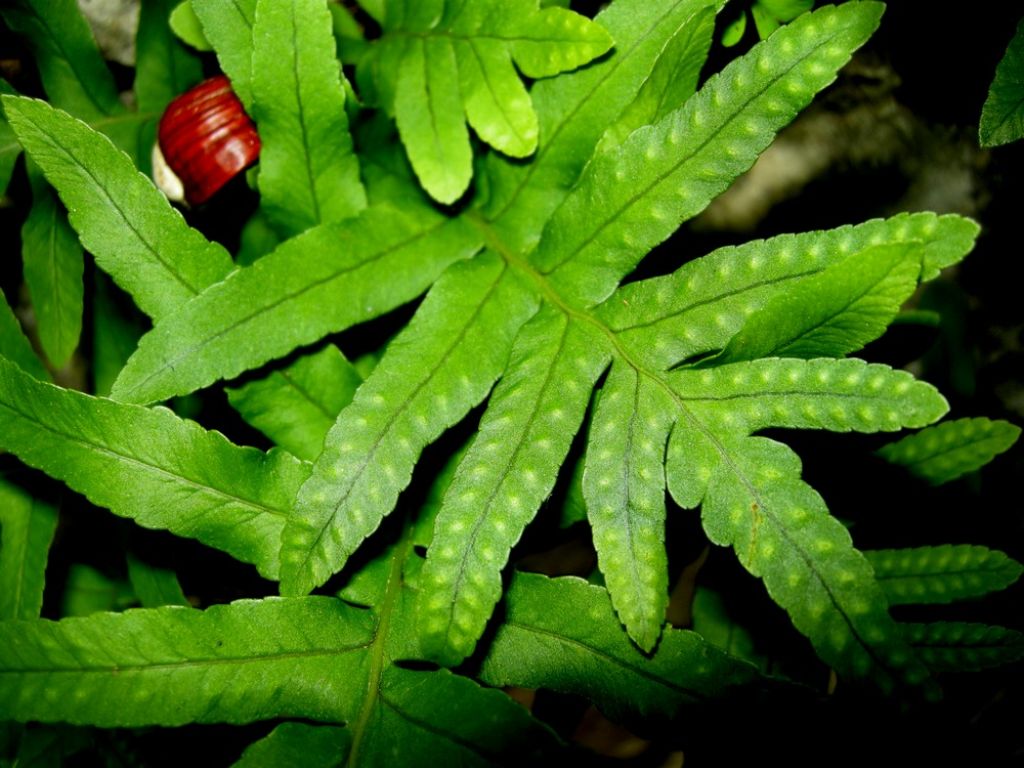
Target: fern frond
[
  {"x": 15, "y": 346},
  {"x": 509, "y": 470},
  {"x": 27, "y": 526},
  {"x": 946, "y": 451},
  {"x": 150, "y": 465},
  {"x": 435, "y": 372},
  {"x": 941, "y": 574},
  {"x": 954, "y": 646}
]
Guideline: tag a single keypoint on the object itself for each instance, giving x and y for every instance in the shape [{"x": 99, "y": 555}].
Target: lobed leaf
[
  {"x": 700, "y": 307},
  {"x": 290, "y": 297},
  {"x": 299, "y": 107},
  {"x": 783, "y": 534},
  {"x": 624, "y": 487},
  {"x": 839, "y": 395},
  {"x": 52, "y": 264},
  {"x": 575, "y": 109},
  {"x": 631, "y": 198},
  {"x": 562, "y": 634},
  {"x": 151, "y": 466},
  {"x": 27, "y": 526},
  {"x": 946, "y": 451},
  {"x": 435, "y": 372},
  {"x": 250, "y": 660},
  {"x": 953, "y": 646},
  {"x": 438, "y": 66},
  {"x": 295, "y": 406},
  {"x": 1002, "y": 116},
  {"x": 941, "y": 574},
  {"x": 832, "y": 313},
  {"x": 510, "y": 469},
  {"x": 121, "y": 218}
]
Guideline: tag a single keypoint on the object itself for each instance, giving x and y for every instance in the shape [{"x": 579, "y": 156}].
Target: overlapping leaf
[
  {"x": 152, "y": 466},
  {"x": 1002, "y": 117},
  {"x": 439, "y": 65},
  {"x": 947, "y": 646},
  {"x": 27, "y": 526}
]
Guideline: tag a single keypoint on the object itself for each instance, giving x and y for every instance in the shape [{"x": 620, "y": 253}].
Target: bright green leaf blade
[
  {"x": 151, "y": 466},
  {"x": 441, "y": 366},
  {"x": 228, "y": 28},
  {"x": 700, "y": 306},
  {"x": 154, "y": 586},
  {"x": 187, "y": 27},
  {"x": 309, "y": 174},
  {"x": 633, "y": 197},
  {"x": 510, "y": 469},
  {"x": 953, "y": 646},
  {"x": 288, "y": 298},
  {"x": 941, "y": 574},
  {"x": 557, "y": 40},
  {"x": 839, "y": 395},
  {"x": 562, "y": 634},
  {"x": 1002, "y": 116},
  {"x": 624, "y": 487},
  {"x": 298, "y": 745},
  {"x": 946, "y": 451},
  {"x": 764, "y": 21},
  {"x": 250, "y": 660},
  {"x": 573, "y": 112},
  {"x": 672, "y": 80},
  {"x": 295, "y": 406},
  {"x": 453, "y": 720},
  {"x": 782, "y": 533},
  {"x": 121, "y": 218},
  {"x": 734, "y": 31},
  {"x": 53, "y": 263},
  {"x": 786, "y": 10},
  {"x": 832, "y": 313},
  {"x": 115, "y": 333},
  {"x": 497, "y": 104},
  {"x": 27, "y": 526},
  {"x": 74, "y": 74},
  {"x": 15, "y": 347},
  {"x": 163, "y": 67},
  {"x": 431, "y": 118}
]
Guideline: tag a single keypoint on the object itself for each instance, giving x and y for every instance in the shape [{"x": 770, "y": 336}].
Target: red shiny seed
[{"x": 207, "y": 139}]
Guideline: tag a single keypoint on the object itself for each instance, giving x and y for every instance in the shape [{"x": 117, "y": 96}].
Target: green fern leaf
[
  {"x": 632, "y": 198},
  {"x": 575, "y": 109},
  {"x": 230, "y": 663},
  {"x": 1002, "y": 118},
  {"x": 379, "y": 259},
  {"x": 453, "y": 351},
  {"x": 301, "y": 119},
  {"x": 437, "y": 67},
  {"x": 297, "y": 405},
  {"x": 9, "y": 146},
  {"x": 163, "y": 67},
  {"x": 121, "y": 218},
  {"x": 624, "y": 487},
  {"x": 562, "y": 634},
  {"x": 155, "y": 587},
  {"x": 53, "y": 263},
  {"x": 941, "y": 574},
  {"x": 953, "y": 646},
  {"x": 152, "y": 466},
  {"x": 782, "y": 533},
  {"x": 27, "y": 526},
  {"x": 510, "y": 469},
  {"x": 698, "y": 308},
  {"x": 949, "y": 450}
]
